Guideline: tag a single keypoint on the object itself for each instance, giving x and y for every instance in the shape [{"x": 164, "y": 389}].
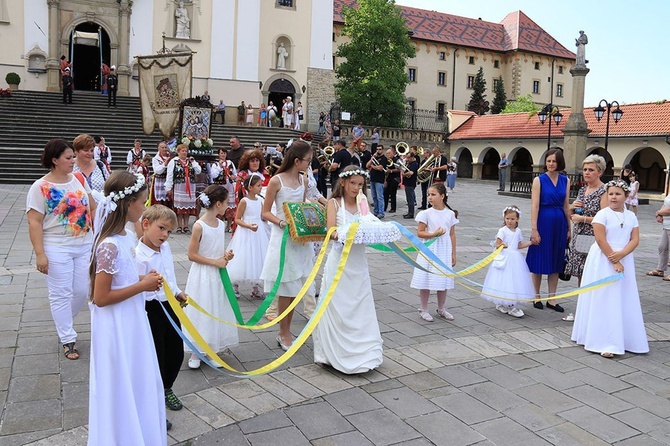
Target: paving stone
[
  {"x": 458, "y": 376},
  {"x": 607, "y": 366},
  {"x": 448, "y": 352},
  {"x": 405, "y": 402},
  {"x": 649, "y": 383},
  {"x": 600, "y": 425},
  {"x": 517, "y": 362},
  {"x": 423, "y": 381},
  {"x": 229, "y": 435},
  {"x": 533, "y": 417},
  {"x": 567, "y": 434},
  {"x": 642, "y": 420},
  {"x": 640, "y": 440},
  {"x": 352, "y": 401},
  {"x": 226, "y": 404},
  {"x": 553, "y": 378},
  {"x": 382, "y": 427},
  {"x": 29, "y": 416},
  {"x": 556, "y": 361},
  {"x": 382, "y": 385},
  {"x": 466, "y": 408},
  {"x": 321, "y": 378},
  {"x": 346, "y": 439},
  {"x": 5, "y": 375},
  {"x": 498, "y": 432},
  {"x": 34, "y": 388},
  {"x": 547, "y": 398},
  {"x": 640, "y": 398},
  {"x": 318, "y": 420},
  {"x": 506, "y": 377},
  {"x": 597, "y": 379},
  {"x": 419, "y": 357},
  {"x": 598, "y": 399},
  {"x": 45, "y": 364},
  {"x": 404, "y": 361},
  {"x": 443, "y": 429},
  {"x": 186, "y": 424},
  {"x": 73, "y": 437},
  {"x": 285, "y": 436},
  {"x": 205, "y": 411},
  {"x": 297, "y": 384},
  {"x": 275, "y": 419},
  {"x": 494, "y": 396},
  {"x": 484, "y": 348},
  {"x": 284, "y": 393},
  {"x": 26, "y": 438}
]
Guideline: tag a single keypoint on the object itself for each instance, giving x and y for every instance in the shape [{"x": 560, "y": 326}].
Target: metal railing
[{"x": 522, "y": 182}]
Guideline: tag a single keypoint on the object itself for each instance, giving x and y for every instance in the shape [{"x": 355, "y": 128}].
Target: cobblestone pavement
[{"x": 484, "y": 378}]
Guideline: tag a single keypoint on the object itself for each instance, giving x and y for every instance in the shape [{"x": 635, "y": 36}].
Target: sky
[{"x": 629, "y": 41}]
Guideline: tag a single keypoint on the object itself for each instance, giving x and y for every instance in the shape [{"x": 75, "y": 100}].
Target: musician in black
[
  {"x": 323, "y": 170},
  {"x": 364, "y": 154},
  {"x": 341, "y": 159},
  {"x": 439, "y": 169},
  {"x": 377, "y": 168},
  {"x": 392, "y": 180},
  {"x": 409, "y": 181}
]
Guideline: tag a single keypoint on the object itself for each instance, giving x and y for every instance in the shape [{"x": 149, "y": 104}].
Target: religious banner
[{"x": 165, "y": 80}]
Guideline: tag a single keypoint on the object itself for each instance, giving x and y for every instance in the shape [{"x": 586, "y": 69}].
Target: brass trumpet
[
  {"x": 424, "y": 173},
  {"x": 420, "y": 151},
  {"x": 326, "y": 155}
]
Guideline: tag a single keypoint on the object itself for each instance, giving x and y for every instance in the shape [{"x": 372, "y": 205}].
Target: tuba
[
  {"x": 326, "y": 155},
  {"x": 402, "y": 148},
  {"x": 424, "y": 173}
]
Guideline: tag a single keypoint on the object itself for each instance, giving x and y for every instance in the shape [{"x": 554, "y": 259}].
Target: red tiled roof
[
  {"x": 515, "y": 32},
  {"x": 644, "y": 119}
]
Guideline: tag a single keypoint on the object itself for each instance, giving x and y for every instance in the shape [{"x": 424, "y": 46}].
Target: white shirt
[{"x": 161, "y": 261}]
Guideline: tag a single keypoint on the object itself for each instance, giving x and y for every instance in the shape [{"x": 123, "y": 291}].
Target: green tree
[
  {"x": 500, "y": 98},
  {"x": 522, "y": 104},
  {"x": 478, "y": 102},
  {"x": 371, "y": 81}
]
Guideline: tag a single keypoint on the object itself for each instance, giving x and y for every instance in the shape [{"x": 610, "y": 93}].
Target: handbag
[
  {"x": 562, "y": 275},
  {"x": 583, "y": 243},
  {"x": 499, "y": 261},
  {"x": 306, "y": 221}
]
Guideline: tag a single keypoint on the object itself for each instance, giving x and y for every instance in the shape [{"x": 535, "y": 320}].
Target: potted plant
[{"x": 13, "y": 80}]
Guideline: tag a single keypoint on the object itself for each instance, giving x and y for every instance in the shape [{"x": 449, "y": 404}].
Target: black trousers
[
  {"x": 390, "y": 192},
  {"x": 169, "y": 346},
  {"x": 111, "y": 97},
  {"x": 67, "y": 95},
  {"x": 424, "y": 194}
]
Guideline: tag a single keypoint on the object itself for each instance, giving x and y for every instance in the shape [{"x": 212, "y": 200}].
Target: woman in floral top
[
  {"x": 59, "y": 209},
  {"x": 180, "y": 186}
]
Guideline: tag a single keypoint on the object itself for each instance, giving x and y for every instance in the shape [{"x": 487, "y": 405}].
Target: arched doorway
[
  {"x": 490, "y": 165},
  {"x": 85, "y": 56},
  {"x": 649, "y": 165},
  {"x": 609, "y": 162},
  {"x": 522, "y": 160},
  {"x": 465, "y": 164},
  {"x": 277, "y": 92}
]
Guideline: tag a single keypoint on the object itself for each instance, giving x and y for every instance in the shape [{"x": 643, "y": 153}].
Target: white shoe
[
  {"x": 445, "y": 314},
  {"x": 516, "y": 312},
  {"x": 423, "y": 314},
  {"x": 215, "y": 363},
  {"x": 502, "y": 308},
  {"x": 193, "y": 363}
]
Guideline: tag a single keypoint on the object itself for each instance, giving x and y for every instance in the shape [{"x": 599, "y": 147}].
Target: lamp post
[
  {"x": 599, "y": 111},
  {"x": 547, "y": 111}
]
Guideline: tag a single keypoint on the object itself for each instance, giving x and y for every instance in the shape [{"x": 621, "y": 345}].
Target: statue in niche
[
  {"x": 183, "y": 22},
  {"x": 282, "y": 54},
  {"x": 580, "y": 43}
]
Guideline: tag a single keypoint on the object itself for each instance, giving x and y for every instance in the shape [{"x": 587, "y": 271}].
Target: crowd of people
[{"x": 94, "y": 237}]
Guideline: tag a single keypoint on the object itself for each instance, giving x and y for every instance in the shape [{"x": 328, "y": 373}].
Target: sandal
[
  {"x": 71, "y": 351},
  {"x": 666, "y": 279},
  {"x": 178, "y": 231},
  {"x": 187, "y": 231},
  {"x": 607, "y": 355},
  {"x": 656, "y": 273},
  {"x": 423, "y": 314},
  {"x": 569, "y": 318}
]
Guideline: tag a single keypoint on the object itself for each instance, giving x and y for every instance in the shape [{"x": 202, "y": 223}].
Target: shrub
[{"x": 13, "y": 78}]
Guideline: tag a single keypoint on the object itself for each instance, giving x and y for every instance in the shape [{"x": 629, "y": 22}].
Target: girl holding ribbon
[
  {"x": 180, "y": 186},
  {"x": 347, "y": 336}
]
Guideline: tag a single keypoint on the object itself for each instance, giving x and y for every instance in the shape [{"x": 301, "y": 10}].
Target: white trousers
[{"x": 68, "y": 285}]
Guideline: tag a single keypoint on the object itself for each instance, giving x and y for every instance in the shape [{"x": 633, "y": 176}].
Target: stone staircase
[{"x": 28, "y": 119}]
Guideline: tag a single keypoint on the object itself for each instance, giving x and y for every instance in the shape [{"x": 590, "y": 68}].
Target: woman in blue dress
[{"x": 550, "y": 214}]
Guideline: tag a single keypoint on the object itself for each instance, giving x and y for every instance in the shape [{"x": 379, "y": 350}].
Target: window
[
  {"x": 285, "y": 3},
  {"x": 537, "y": 65},
  {"x": 559, "y": 90},
  {"x": 412, "y": 74},
  {"x": 471, "y": 81},
  {"x": 495, "y": 82},
  {"x": 443, "y": 55},
  {"x": 536, "y": 87},
  {"x": 496, "y": 64},
  {"x": 440, "y": 111},
  {"x": 471, "y": 60},
  {"x": 560, "y": 69},
  {"x": 411, "y": 103},
  {"x": 333, "y": 37},
  {"x": 441, "y": 78}
]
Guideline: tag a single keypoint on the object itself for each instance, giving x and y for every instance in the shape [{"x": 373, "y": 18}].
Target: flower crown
[
  {"x": 512, "y": 208},
  {"x": 618, "y": 183},
  {"x": 120, "y": 195},
  {"x": 204, "y": 199},
  {"x": 351, "y": 173}
]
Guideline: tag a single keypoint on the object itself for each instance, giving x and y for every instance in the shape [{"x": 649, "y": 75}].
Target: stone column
[
  {"x": 477, "y": 169},
  {"x": 53, "y": 59},
  {"x": 576, "y": 131},
  {"x": 123, "y": 69}
]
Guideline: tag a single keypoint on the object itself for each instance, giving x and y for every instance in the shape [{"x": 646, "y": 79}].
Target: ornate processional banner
[{"x": 165, "y": 80}]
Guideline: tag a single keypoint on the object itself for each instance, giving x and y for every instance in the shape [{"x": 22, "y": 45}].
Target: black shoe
[
  {"x": 392, "y": 211},
  {"x": 408, "y": 216},
  {"x": 556, "y": 307},
  {"x": 500, "y": 190},
  {"x": 171, "y": 400},
  {"x": 422, "y": 208},
  {"x": 539, "y": 305},
  {"x": 169, "y": 425}
]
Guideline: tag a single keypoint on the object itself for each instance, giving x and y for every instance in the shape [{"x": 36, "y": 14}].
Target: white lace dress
[
  {"x": 204, "y": 285},
  {"x": 422, "y": 280},
  {"x": 249, "y": 247},
  {"x": 126, "y": 398},
  {"x": 348, "y": 337}
]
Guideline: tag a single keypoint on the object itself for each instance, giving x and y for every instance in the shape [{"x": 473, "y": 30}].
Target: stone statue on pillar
[
  {"x": 183, "y": 22},
  {"x": 580, "y": 43},
  {"x": 282, "y": 54}
]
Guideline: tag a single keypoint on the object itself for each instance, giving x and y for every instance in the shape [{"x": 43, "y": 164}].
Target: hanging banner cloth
[{"x": 88, "y": 39}]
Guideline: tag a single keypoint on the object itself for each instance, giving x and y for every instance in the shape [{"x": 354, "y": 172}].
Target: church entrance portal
[
  {"x": 85, "y": 58},
  {"x": 278, "y": 91}
]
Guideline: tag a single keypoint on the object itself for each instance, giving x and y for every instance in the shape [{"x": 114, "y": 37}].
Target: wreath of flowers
[
  {"x": 120, "y": 195},
  {"x": 204, "y": 199},
  {"x": 618, "y": 183},
  {"x": 198, "y": 146},
  {"x": 351, "y": 173},
  {"x": 512, "y": 208}
]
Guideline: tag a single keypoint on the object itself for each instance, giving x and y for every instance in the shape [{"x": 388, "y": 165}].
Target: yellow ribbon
[{"x": 297, "y": 342}]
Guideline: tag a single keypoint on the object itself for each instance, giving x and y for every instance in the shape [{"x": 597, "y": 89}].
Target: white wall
[
  {"x": 321, "y": 51},
  {"x": 223, "y": 39},
  {"x": 248, "y": 30},
  {"x": 36, "y": 11},
  {"x": 141, "y": 30}
]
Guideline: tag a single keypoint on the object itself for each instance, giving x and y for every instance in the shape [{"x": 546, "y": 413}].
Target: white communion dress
[
  {"x": 432, "y": 280},
  {"x": 248, "y": 246},
  {"x": 609, "y": 319}
]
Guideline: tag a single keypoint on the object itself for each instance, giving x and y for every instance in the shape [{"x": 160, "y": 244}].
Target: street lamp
[
  {"x": 599, "y": 111},
  {"x": 542, "y": 115}
]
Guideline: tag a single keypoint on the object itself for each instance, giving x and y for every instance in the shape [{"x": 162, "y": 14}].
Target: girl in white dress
[
  {"x": 347, "y": 336},
  {"x": 287, "y": 185},
  {"x": 436, "y": 222},
  {"x": 208, "y": 253},
  {"x": 250, "y": 241},
  {"x": 126, "y": 398},
  {"x": 609, "y": 320},
  {"x": 508, "y": 275},
  {"x": 632, "y": 199}
]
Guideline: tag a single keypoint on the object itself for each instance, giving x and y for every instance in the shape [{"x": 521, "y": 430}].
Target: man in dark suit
[
  {"x": 112, "y": 86},
  {"x": 67, "y": 86}
]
